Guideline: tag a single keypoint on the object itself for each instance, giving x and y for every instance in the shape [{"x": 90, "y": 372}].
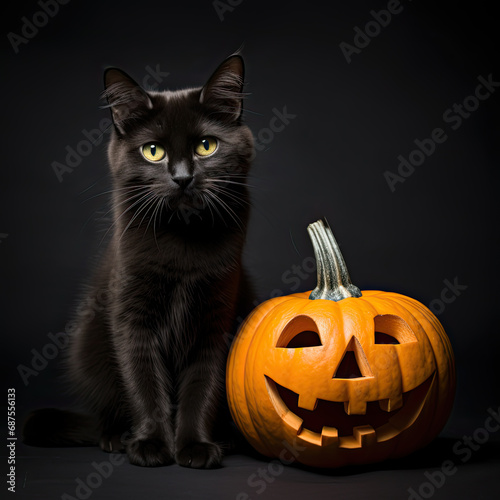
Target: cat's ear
[
  {"x": 224, "y": 89},
  {"x": 125, "y": 97}
]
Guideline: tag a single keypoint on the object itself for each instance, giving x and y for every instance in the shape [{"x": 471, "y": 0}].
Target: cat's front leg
[
  {"x": 150, "y": 442},
  {"x": 201, "y": 393}
]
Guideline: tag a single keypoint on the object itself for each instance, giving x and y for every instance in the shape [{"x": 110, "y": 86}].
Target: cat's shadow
[{"x": 430, "y": 457}]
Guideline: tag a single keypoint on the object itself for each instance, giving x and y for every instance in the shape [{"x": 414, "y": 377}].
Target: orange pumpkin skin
[{"x": 400, "y": 402}]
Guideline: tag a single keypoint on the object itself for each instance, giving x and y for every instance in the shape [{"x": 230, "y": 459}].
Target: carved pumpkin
[{"x": 337, "y": 376}]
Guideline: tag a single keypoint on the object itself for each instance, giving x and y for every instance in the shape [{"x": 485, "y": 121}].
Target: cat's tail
[{"x": 50, "y": 427}]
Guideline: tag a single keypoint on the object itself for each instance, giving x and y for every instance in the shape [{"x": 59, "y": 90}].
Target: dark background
[{"x": 352, "y": 121}]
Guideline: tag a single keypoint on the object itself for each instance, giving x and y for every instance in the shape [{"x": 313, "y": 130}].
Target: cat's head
[{"x": 182, "y": 154}]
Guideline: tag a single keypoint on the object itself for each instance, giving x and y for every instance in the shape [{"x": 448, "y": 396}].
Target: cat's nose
[{"x": 182, "y": 179}]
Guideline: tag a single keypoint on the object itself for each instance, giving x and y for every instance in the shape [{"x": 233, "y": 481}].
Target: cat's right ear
[
  {"x": 224, "y": 89},
  {"x": 125, "y": 97}
]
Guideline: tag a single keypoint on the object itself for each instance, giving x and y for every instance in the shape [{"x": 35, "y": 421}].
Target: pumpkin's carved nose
[
  {"x": 348, "y": 367},
  {"x": 353, "y": 363}
]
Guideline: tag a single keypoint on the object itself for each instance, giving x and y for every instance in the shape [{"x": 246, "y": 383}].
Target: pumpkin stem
[{"x": 334, "y": 282}]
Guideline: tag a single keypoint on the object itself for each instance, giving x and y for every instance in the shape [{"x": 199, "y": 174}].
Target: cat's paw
[
  {"x": 149, "y": 453},
  {"x": 200, "y": 456},
  {"x": 111, "y": 443}
]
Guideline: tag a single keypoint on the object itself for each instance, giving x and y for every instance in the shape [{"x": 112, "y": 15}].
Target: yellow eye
[
  {"x": 153, "y": 151},
  {"x": 206, "y": 146}
]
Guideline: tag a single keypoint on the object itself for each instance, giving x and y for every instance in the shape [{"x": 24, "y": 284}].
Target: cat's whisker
[
  {"x": 162, "y": 210},
  {"x": 223, "y": 173},
  {"x": 114, "y": 190},
  {"x": 246, "y": 110},
  {"x": 231, "y": 195},
  {"x": 200, "y": 197},
  {"x": 144, "y": 208},
  {"x": 97, "y": 195},
  {"x": 211, "y": 202},
  {"x": 224, "y": 203},
  {"x": 223, "y": 185},
  {"x": 117, "y": 219},
  {"x": 225, "y": 181},
  {"x": 126, "y": 200},
  {"x": 140, "y": 189},
  {"x": 230, "y": 192},
  {"x": 153, "y": 207},
  {"x": 93, "y": 184},
  {"x": 144, "y": 204},
  {"x": 226, "y": 207},
  {"x": 151, "y": 202},
  {"x": 172, "y": 214},
  {"x": 225, "y": 177},
  {"x": 155, "y": 215},
  {"x": 230, "y": 178},
  {"x": 206, "y": 203}
]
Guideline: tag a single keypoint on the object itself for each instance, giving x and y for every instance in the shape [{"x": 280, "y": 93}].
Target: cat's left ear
[
  {"x": 224, "y": 89},
  {"x": 125, "y": 97}
]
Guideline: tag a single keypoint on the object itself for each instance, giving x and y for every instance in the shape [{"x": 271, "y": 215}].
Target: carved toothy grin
[{"x": 333, "y": 423}]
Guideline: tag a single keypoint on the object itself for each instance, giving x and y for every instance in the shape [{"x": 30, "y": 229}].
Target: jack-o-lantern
[{"x": 337, "y": 376}]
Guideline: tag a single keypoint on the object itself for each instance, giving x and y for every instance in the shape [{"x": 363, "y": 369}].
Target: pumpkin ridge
[
  {"x": 395, "y": 303},
  {"x": 438, "y": 327},
  {"x": 438, "y": 330},
  {"x": 442, "y": 340},
  {"x": 252, "y": 379}
]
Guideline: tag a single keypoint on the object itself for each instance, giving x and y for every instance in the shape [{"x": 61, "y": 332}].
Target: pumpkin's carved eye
[
  {"x": 304, "y": 339},
  {"x": 391, "y": 329},
  {"x": 300, "y": 332},
  {"x": 384, "y": 338}
]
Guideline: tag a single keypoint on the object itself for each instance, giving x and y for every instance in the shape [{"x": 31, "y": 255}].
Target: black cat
[{"x": 148, "y": 356}]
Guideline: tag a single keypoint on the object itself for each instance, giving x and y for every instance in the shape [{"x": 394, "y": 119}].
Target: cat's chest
[
  {"x": 165, "y": 302},
  {"x": 176, "y": 293},
  {"x": 192, "y": 254}
]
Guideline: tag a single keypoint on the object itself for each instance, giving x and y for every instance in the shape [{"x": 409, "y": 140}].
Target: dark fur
[{"x": 148, "y": 355}]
